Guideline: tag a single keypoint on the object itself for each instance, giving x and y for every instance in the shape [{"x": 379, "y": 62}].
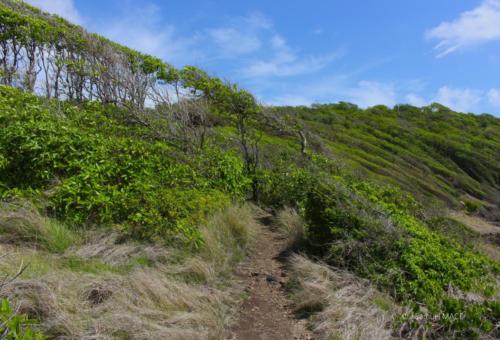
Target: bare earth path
[{"x": 266, "y": 313}]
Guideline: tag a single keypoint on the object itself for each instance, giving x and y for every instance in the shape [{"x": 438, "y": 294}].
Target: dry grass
[
  {"x": 227, "y": 238},
  {"x": 111, "y": 250},
  {"x": 341, "y": 305},
  {"x": 476, "y": 223},
  {"x": 22, "y": 224},
  {"x": 174, "y": 296},
  {"x": 291, "y": 227},
  {"x": 146, "y": 304},
  {"x": 489, "y": 232}
]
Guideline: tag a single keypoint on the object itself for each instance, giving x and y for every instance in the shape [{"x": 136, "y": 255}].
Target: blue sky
[{"x": 301, "y": 52}]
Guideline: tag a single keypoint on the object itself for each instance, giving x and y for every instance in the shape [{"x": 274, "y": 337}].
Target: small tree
[{"x": 243, "y": 109}]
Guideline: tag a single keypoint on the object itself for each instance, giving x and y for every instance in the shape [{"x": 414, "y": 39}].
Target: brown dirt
[
  {"x": 489, "y": 232},
  {"x": 267, "y": 312},
  {"x": 475, "y": 223}
]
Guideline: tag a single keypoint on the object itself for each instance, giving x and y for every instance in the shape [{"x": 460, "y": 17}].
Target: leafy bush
[
  {"x": 15, "y": 326},
  {"x": 472, "y": 206},
  {"x": 374, "y": 234},
  {"x": 377, "y": 232},
  {"x": 93, "y": 169},
  {"x": 36, "y": 145}
]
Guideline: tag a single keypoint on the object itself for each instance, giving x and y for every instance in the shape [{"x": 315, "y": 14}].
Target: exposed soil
[{"x": 267, "y": 312}]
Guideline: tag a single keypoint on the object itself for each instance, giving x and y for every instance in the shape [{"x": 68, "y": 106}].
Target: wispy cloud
[
  {"x": 494, "y": 97},
  {"x": 63, "y": 8},
  {"x": 256, "y": 20},
  {"x": 458, "y": 99},
  {"x": 364, "y": 93},
  {"x": 262, "y": 51},
  {"x": 416, "y": 100},
  {"x": 370, "y": 93},
  {"x": 479, "y": 25},
  {"x": 463, "y": 100},
  {"x": 233, "y": 42},
  {"x": 288, "y": 64},
  {"x": 241, "y": 36},
  {"x": 285, "y": 62},
  {"x": 144, "y": 30}
]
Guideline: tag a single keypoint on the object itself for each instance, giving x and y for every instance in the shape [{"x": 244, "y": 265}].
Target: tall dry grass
[
  {"x": 291, "y": 227},
  {"x": 21, "y": 223},
  {"x": 172, "y": 295},
  {"x": 341, "y": 305}
]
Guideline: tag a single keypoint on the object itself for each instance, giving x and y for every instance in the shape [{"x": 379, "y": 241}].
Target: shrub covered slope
[{"x": 432, "y": 152}]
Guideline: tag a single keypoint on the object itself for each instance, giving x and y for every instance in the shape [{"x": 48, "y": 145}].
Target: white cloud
[
  {"x": 479, "y": 25},
  {"x": 278, "y": 42},
  {"x": 256, "y": 20},
  {"x": 459, "y": 99},
  {"x": 261, "y": 51},
  {"x": 494, "y": 97},
  {"x": 416, "y": 100},
  {"x": 144, "y": 31},
  {"x": 63, "y": 8},
  {"x": 285, "y": 65},
  {"x": 291, "y": 100},
  {"x": 370, "y": 93},
  {"x": 286, "y": 62},
  {"x": 463, "y": 100},
  {"x": 233, "y": 42},
  {"x": 365, "y": 93},
  {"x": 243, "y": 35}
]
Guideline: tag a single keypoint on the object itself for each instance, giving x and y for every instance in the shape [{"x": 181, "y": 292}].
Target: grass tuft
[
  {"x": 22, "y": 224},
  {"x": 291, "y": 227},
  {"x": 340, "y": 305}
]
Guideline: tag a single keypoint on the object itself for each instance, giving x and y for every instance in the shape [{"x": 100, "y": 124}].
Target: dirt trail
[{"x": 266, "y": 313}]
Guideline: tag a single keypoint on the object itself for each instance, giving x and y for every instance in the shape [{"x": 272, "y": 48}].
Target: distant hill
[{"x": 432, "y": 152}]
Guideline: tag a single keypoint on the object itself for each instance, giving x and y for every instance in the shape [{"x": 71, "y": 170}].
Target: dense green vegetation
[
  {"x": 98, "y": 171},
  {"x": 432, "y": 152},
  {"x": 380, "y": 234},
  {"x": 89, "y": 154}
]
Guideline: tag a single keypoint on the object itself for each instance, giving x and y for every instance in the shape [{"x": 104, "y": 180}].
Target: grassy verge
[
  {"x": 340, "y": 305},
  {"x": 100, "y": 286}
]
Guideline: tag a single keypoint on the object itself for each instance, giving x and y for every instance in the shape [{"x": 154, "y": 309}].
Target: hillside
[
  {"x": 129, "y": 185},
  {"x": 432, "y": 152}
]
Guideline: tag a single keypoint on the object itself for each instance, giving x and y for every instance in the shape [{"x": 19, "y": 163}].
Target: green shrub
[
  {"x": 93, "y": 168},
  {"x": 472, "y": 206},
  {"x": 15, "y": 326},
  {"x": 36, "y": 145},
  {"x": 374, "y": 235}
]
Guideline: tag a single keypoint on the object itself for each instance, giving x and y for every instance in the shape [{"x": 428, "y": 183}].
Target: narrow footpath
[{"x": 266, "y": 313}]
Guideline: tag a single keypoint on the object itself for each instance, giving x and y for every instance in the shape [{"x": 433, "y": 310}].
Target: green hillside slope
[{"x": 432, "y": 152}]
